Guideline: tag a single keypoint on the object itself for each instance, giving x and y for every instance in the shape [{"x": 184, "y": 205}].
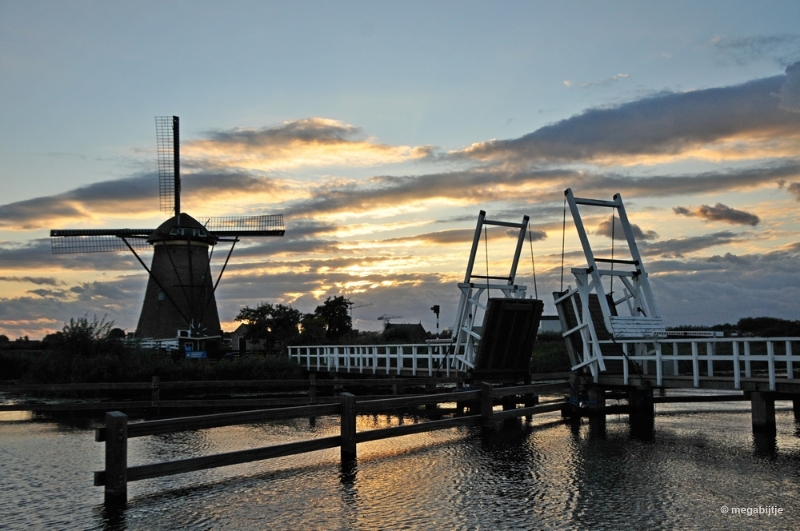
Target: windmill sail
[
  {"x": 75, "y": 241},
  {"x": 169, "y": 168},
  {"x": 268, "y": 225}
]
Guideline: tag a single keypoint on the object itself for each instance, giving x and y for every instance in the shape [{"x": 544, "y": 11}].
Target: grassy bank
[
  {"x": 132, "y": 365},
  {"x": 550, "y": 354}
]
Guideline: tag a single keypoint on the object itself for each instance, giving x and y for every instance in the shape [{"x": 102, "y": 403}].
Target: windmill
[{"x": 179, "y": 301}]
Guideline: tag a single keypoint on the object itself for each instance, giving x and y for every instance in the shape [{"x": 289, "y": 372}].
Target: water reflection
[
  {"x": 545, "y": 474},
  {"x": 765, "y": 444}
]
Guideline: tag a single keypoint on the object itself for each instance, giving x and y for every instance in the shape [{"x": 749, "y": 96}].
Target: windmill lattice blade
[
  {"x": 267, "y": 225},
  {"x": 98, "y": 241},
  {"x": 166, "y": 163}
]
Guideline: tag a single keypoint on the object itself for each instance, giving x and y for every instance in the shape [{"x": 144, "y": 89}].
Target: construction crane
[
  {"x": 357, "y": 306},
  {"x": 385, "y": 318}
]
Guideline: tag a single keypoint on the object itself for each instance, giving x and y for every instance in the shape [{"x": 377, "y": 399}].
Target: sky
[{"x": 380, "y": 129}]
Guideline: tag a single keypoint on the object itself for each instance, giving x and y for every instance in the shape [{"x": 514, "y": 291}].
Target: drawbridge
[
  {"x": 492, "y": 338},
  {"x": 616, "y": 339}
]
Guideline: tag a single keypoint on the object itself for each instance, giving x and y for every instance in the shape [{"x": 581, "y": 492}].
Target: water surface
[{"x": 543, "y": 474}]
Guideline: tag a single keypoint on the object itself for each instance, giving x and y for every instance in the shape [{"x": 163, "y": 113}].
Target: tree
[
  {"x": 312, "y": 329},
  {"x": 116, "y": 333},
  {"x": 87, "y": 338},
  {"x": 335, "y": 311},
  {"x": 768, "y": 327},
  {"x": 270, "y": 323}
]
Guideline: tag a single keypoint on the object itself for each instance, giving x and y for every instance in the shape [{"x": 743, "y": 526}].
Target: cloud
[
  {"x": 131, "y": 197},
  {"x": 781, "y": 48},
  {"x": 678, "y": 247},
  {"x": 794, "y": 188},
  {"x": 37, "y": 255},
  {"x": 720, "y": 212},
  {"x": 790, "y": 91},
  {"x": 56, "y": 294},
  {"x": 604, "y": 229},
  {"x": 484, "y": 185},
  {"x": 299, "y": 143},
  {"x": 741, "y": 121},
  {"x": 41, "y": 281},
  {"x": 605, "y": 82}
]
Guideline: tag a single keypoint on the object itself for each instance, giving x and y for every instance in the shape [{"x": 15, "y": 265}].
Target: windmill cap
[{"x": 182, "y": 227}]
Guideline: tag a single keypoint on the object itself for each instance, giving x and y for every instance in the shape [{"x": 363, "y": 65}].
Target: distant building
[
  {"x": 240, "y": 344},
  {"x": 405, "y": 333},
  {"x": 550, "y": 323}
]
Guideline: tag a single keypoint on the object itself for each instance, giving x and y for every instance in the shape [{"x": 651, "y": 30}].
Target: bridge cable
[
  {"x": 611, "y": 287},
  {"x": 486, "y": 249},
  {"x": 563, "y": 236},
  {"x": 533, "y": 264}
]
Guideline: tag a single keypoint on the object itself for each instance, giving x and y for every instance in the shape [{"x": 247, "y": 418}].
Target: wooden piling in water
[
  {"x": 348, "y": 427},
  {"x": 762, "y": 406},
  {"x": 116, "y": 484},
  {"x": 487, "y": 405}
]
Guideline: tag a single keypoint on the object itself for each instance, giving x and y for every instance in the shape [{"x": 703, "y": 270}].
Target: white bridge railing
[
  {"x": 724, "y": 357},
  {"x": 418, "y": 360}
]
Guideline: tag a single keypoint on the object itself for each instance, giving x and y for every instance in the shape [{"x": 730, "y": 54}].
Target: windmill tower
[{"x": 179, "y": 301}]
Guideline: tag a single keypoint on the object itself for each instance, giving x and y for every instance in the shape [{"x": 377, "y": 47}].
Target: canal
[{"x": 701, "y": 460}]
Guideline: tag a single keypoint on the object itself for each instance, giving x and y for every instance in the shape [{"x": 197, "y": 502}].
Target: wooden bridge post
[
  {"x": 487, "y": 405},
  {"x": 597, "y": 412},
  {"x": 348, "y": 427},
  {"x": 642, "y": 412},
  {"x": 762, "y": 406},
  {"x": 155, "y": 392},
  {"x": 796, "y": 408},
  {"x": 116, "y": 484},
  {"x": 312, "y": 388},
  {"x": 597, "y": 401}
]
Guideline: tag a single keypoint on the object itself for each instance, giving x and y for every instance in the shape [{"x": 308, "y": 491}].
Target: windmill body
[
  {"x": 179, "y": 303},
  {"x": 180, "y": 288}
]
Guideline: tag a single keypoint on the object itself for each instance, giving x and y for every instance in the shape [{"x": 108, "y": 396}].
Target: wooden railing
[{"x": 117, "y": 430}]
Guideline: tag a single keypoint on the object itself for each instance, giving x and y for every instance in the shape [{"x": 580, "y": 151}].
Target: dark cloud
[
  {"x": 720, "y": 212},
  {"x": 484, "y": 185},
  {"x": 133, "y": 195},
  {"x": 56, "y": 294},
  {"x": 119, "y": 196},
  {"x": 790, "y": 91},
  {"x": 42, "y": 281},
  {"x": 666, "y": 124},
  {"x": 36, "y": 254},
  {"x": 458, "y": 236},
  {"x": 604, "y": 229},
  {"x": 794, "y": 189},
  {"x": 678, "y": 247},
  {"x": 309, "y": 130}
]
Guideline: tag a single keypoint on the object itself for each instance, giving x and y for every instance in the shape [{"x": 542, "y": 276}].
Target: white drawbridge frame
[
  {"x": 641, "y": 319},
  {"x": 465, "y": 338}
]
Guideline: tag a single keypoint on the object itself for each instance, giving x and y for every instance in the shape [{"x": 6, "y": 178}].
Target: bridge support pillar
[
  {"x": 572, "y": 408},
  {"x": 597, "y": 401},
  {"x": 762, "y": 406},
  {"x": 597, "y": 412},
  {"x": 796, "y": 408},
  {"x": 643, "y": 412},
  {"x": 348, "y": 427}
]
